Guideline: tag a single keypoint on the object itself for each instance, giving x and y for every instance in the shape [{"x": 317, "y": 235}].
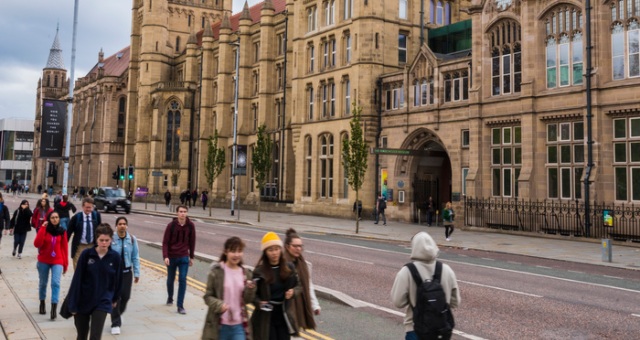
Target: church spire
[{"x": 55, "y": 55}]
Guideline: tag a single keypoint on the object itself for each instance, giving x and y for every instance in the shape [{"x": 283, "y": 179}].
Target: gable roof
[{"x": 114, "y": 65}]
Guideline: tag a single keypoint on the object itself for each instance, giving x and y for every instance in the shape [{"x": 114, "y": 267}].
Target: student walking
[
  {"x": 430, "y": 211},
  {"x": 41, "y": 212},
  {"x": 51, "y": 242},
  {"x": 229, "y": 289},
  {"x": 305, "y": 302},
  {"x": 381, "y": 205},
  {"x": 96, "y": 285},
  {"x": 447, "y": 216},
  {"x": 126, "y": 245},
  {"x": 178, "y": 251},
  {"x": 205, "y": 199},
  {"x": 272, "y": 317},
  {"x": 5, "y": 217},
  {"x": 167, "y": 198},
  {"x": 83, "y": 229},
  {"x": 65, "y": 209},
  {"x": 21, "y": 225},
  {"x": 424, "y": 252}
]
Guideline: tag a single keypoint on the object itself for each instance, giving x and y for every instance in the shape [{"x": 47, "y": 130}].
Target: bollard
[
  {"x": 419, "y": 222},
  {"x": 606, "y": 250}
]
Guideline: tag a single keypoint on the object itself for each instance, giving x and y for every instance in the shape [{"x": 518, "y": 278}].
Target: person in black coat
[
  {"x": 21, "y": 225},
  {"x": 77, "y": 229},
  {"x": 65, "y": 209}
]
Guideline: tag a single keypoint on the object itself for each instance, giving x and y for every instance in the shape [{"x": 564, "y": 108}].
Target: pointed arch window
[
  {"x": 439, "y": 12},
  {"x": 172, "y": 138},
  {"x": 506, "y": 58},
  {"x": 564, "y": 49},
  {"x": 326, "y": 166},
  {"x": 307, "y": 166},
  {"x": 625, "y": 39}
]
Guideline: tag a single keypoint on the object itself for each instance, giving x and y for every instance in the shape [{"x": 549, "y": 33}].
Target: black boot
[
  {"x": 54, "y": 311},
  {"x": 43, "y": 311}
]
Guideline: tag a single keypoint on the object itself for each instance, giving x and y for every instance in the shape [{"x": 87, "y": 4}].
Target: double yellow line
[{"x": 201, "y": 286}]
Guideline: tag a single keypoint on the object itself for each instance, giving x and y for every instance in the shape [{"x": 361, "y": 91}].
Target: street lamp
[
  {"x": 65, "y": 177},
  {"x": 235, "y": 127}
]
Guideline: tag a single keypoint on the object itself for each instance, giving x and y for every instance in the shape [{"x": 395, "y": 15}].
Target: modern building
[{"x": 16, "y": 151}]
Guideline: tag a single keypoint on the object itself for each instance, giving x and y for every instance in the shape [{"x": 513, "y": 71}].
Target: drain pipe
[
  {"x": 587, "y": 220},
  {"x": 378, "y": 133},
  {"x": 421, "y": 23}
]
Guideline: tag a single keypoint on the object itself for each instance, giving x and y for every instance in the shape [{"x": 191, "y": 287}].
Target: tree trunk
[
  {"x": 357, "y": 219},
  {"x": 259, "y": 206}
]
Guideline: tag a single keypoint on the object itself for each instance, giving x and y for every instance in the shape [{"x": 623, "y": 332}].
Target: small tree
[
  {"x": 261, "y": 161},
  {"x": 354, "y": 156},
  {"x": 215, "y": 162}
]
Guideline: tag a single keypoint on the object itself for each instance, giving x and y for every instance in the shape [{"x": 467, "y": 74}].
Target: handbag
[{"x": 64, "y": 309}]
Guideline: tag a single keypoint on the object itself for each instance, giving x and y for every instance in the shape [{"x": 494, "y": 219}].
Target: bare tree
[
  {"x": 354, "y": 156},
  {"x": 215, "y": 162}
]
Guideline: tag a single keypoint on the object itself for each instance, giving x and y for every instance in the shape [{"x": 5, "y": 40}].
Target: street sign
[{"x": 156, "y": 173}]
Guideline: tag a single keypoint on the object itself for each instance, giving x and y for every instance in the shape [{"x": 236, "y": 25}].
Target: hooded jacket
[
  {"x": 424, "y": 252},
  {"x": 21, "y": 221}
]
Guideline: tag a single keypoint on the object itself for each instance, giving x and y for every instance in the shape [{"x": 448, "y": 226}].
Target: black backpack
[
  {"x": 383, "y": 204},
  {"x": 432, "y": 317}
]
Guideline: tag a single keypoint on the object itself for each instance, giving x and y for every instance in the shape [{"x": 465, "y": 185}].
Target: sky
[{"x": 28, "y": 28}]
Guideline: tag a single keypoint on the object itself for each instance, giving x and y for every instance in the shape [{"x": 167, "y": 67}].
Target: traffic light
[
  {"x": 122, "y": 174},
  {"x": 130, "y": 172}
]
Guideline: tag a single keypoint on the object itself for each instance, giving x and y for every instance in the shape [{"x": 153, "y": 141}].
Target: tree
[
  {"x": 261, "y": 160},
  {"x": 354, "y": 156},
  {"x": 215, "y": 162}
]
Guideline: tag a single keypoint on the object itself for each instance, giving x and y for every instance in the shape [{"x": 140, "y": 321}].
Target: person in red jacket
[
  {"x": 53, "y": 257},
  {"x": 40, "y": 213}
]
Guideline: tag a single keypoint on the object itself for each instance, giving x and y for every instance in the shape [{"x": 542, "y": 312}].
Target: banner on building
[
  {"x": 52, "y": 128},
  {"x": 241, "y": 160}
]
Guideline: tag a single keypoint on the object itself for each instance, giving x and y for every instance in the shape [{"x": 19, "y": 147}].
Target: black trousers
[
  {"x": 125, "y": 295},
  {"x": 93, "y": 322},
  {"x": 278, "y": 329}
]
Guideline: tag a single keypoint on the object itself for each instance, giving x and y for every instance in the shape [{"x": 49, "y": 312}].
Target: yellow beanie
[{"x": 270, "y": 239}]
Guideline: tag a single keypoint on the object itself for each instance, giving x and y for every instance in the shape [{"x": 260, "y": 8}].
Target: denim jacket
[{"x": 131, "y": 254}]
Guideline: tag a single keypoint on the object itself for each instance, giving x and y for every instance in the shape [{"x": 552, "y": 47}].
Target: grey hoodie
[{"x": 424, "y": 252}]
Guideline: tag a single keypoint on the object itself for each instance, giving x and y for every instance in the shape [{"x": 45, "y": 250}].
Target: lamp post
[
  {"x": 235, "y": 127},
  {"x": 67, "y": 146}
]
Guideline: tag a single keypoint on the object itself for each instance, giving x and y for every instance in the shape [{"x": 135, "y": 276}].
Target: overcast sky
[{"x": 28, "y": 28}]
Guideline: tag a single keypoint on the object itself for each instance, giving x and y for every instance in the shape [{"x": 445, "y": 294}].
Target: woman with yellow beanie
[{"x": 277, "y": 282}]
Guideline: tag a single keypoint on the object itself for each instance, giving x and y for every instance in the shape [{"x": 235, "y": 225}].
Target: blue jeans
[
  {"x": 235, "y": 332},
  {"x": 56, "y": 275},
  {"x": 182, "y": 264},
  {"x": 64, "y": 222},
  {"x": 410, "y": 336}
]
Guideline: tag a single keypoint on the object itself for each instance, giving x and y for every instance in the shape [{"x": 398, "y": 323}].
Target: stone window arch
[
  {"x": 506, "y": 57},
  {"x": 564, "y": 46},
  {"x": 173, "y": 132}
]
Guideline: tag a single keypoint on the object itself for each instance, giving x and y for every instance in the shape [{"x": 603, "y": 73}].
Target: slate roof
[
  {"x": 114, "y": 65},
  {"x": 55, "y": 60}
]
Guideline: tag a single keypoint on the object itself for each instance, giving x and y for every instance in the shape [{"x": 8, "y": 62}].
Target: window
[
  {"x": 347, "y": 97},
  {"x": 332, "y": 44},
  {"x": 465, "y": 173},
  {"x": 506, "y": 160},
  {"x": 172, "y": 138},
  {"x": 325, "y": 55},
  {"x": 332, "y": 99},
  {"x": 402, "y": 48},
  {"x": 348, "y": 9},
  {"x": 312, "y": 17},
  {"x": 307, "y": 185},
  {"x": 310, "y": 106},
  {"x": 423, "y": 92},
  {"x": 254, "y": 116},
  {"x": 326, "y": 166},
  {"x": 122, "y": 105},
  {"x": 256, "y": 52},
  {"x": 345, "y": 176},
  {"x": 278, "y": 109},
  {"x": 281, "y": 42},
  {"x": 312, "y": 57},
  {"x": 440, "y": 12},
  {"x": 178, "y": 44},
  {"x": 456, "y": 86},
  {"x": 506, "y": 58},
  {"x": 329, "y": 12},
  {"x": 279, "y": 76},
  {"x": 565, "y": 159},
  {"x": 256, "y": 82},
  {"x": 325, "y": 98},
  {"x": 394, "y": 97},
  {"x": 564, "y": 47},
  {"x": 347, "y": 49},
  {"x": 402, "y": 9},
  {"x": 252, "y": 173},
  {"x": 465, "y": 138},
  {"x": 625, "y": 39},
  {"x": 626, "y": 158}
]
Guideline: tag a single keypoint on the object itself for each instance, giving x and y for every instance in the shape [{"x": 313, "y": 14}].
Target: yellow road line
[{"x": 306, "y": 334}]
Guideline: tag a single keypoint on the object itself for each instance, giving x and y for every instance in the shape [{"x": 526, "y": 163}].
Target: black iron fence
[{"x": 617, "y": 221}]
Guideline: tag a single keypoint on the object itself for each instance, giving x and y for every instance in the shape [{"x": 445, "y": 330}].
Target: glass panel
[
  {"x": 552, "y": 133},
  {"x": 551, "y": 77},
  {"x": 517, "y": 135},
  {"x": 506, "y": 156},
  {"x": 517, "y": 155},
  {"x": 578, "y": 153},
  {"x": 578, "y": 131},
  {"x": 617, "y": 48},
  {"x": 552, "y": 154},
  {"x": 496, "y": 137},
  {"x": 565, "y": 131},
  {"x": 496, "y": 182},
  {"x": 635, "y": 127},
  {"x": 515, "y": 181},
  {"x": 621, "y": 184},
  {"x": 564, "y": 75},
  {"x": 495, "y": 159},
  {"x": 577, "y": 74},
  {"x": 635, "y": 152},
  {"x": 507, "y": 182},
  {"x": 620, "y": 152},
  {"x": 506, "y": 136},
  {"x": 635, "y": 184},
  {"x": 553, "y": 182},
  {"x": 578, "y": 183},
  {"x": 565, "y": 174},
  {"x": 565, "y": 154},
  {"x": 620, "y": 128}
]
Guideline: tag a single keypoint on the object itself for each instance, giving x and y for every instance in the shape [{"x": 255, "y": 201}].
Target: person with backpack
[
  {"x": 381, "y": 205},
  {"x": 428, "y": 289}
]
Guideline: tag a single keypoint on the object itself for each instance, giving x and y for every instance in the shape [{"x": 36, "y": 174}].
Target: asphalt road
[{"x": 503, "y": 296}]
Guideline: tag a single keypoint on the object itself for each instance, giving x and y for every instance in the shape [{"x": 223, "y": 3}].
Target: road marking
[
  {"x": 487, "y": 259},
  {"x": 614, "y": 277},
  {"x": 543, "y": 267},
  {"x": 466, "y": 335},
  {"x": 575, "y": 271},
  {"x": 338, "y": 257},
  {"x": 514, "y": 262},
  {"x": 502, "y": 289},
  {"x": 210, "y": 233},
  {"x": 153, "y": 222},
  {"x": 637, "y": 315}
]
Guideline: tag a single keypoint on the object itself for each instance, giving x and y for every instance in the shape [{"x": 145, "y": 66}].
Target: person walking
[
  {"x": 51, "y": 242},
  {"x": 126, "y": 245},
  {"x": 178, "y": 251},
  {"x": 357, "y": 208},
  {"x": 21, "y": 225},
  {"x": 82, "y": 227},
  {"x": 194, "y": 197},
  {"x": 63, "y": 207},
  {"x": 381, "y": 205},
  {"x": 229, "y": 289},
  {"x": 447, "y": 216},
  {"x": 430, "y": 211},
  {"x": 204, "y": 199},
  {"x": 96, "y": 285},
  {"x": 187, "y": 197},
  {"x": 167, "y": 198},
  {"x": 41, "y": 212},
  {"x": 272, "y": 317},
  {"x": 424, "y": 252},
  {"x": 5, "y": 217},
  {"x": 305, "y": 302}
]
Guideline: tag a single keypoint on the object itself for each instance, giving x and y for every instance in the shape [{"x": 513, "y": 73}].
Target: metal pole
[
  {"x": 284, "y": 106},
  {"x": 67, "y": 147},
  {"x": 235, "y": 129},
  {"x": 587, "y": 217}
]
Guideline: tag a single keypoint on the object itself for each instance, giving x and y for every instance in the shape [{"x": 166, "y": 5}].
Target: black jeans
[
  {"x": 125, "y": 295},
  {"x": 96, "y": 319},
  {"x": 18, "y": 241}
]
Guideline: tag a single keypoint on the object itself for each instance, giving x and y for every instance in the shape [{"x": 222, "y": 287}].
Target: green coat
[
  {"x": 213, "y": 297},
  {"x": 261, "y": 320}
]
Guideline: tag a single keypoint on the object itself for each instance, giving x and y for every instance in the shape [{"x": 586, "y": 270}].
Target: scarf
[
  {"x": 63, "y": 204},
  {"x": 302, "y": 305},
  {"x": 55, "y": 230}
]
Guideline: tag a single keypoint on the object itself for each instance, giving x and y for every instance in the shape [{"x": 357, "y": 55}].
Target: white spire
[{"x": 55, "y": 55}]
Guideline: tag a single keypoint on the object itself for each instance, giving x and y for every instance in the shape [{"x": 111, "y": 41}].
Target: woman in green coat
[{"x": 229, "y": 290}]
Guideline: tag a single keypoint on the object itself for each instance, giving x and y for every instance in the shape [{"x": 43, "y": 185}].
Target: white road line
[
  {"x": 466, "y": 335},
  {"x": 575, "y": 271},
  {"x": 543, "y": 267},
  {"x": 614, "y": 277},
  {"x": 637, "y": 315},
  {"x": 514, "y": 262},
  {"x": 502, "y": 289},
  {"x": 153, "y": 222},
  {"x": 487, "y": 259},
  {"x": 338, "y": 257}
]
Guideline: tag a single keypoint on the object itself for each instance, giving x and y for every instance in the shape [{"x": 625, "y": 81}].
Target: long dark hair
[
  {"x": 267, "y": 271},
  {"x": 231, "y": 244}
]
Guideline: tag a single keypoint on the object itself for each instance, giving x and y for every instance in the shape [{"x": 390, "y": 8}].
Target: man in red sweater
[{"x": 178, "y": 251}]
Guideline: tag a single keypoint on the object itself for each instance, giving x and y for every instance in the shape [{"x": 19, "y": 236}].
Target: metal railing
[{"x": 554, "y": 217}]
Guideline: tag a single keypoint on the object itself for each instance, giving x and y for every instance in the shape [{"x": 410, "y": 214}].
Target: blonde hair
[{"x": 448, "y": 205}]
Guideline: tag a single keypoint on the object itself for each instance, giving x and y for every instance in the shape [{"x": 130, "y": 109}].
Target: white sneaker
[
  {"x": 19, "y": 256},
  {"x": 448, "y": 239},
  {"x": 115, "y": 330}
]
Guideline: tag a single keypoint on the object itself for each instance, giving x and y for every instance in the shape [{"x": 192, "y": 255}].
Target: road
[{"x": 503, "y": 296}]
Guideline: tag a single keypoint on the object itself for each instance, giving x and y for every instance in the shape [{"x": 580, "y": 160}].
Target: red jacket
[
  {"x": 36, "y": 222},
  {"x": 47, "y": 246}
]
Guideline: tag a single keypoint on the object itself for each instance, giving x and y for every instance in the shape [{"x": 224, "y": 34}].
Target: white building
[{"x": 16, "y": 150}]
